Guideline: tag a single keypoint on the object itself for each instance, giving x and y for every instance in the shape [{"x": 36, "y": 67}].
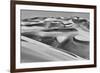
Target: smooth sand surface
[{"x": 34, "y": 51}]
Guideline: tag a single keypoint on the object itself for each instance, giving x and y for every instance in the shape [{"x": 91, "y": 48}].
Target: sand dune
[
  {"x": 51, "y": 39},
  {"x": 37, "y": 52}
]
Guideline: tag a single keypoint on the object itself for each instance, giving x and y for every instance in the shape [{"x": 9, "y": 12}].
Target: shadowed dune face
[{"x": 59, "y": 33}]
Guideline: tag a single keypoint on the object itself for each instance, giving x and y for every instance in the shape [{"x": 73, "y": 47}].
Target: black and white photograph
[
  {"x": 54, "y": 36},
  {"x": 51, "y": 36}
]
